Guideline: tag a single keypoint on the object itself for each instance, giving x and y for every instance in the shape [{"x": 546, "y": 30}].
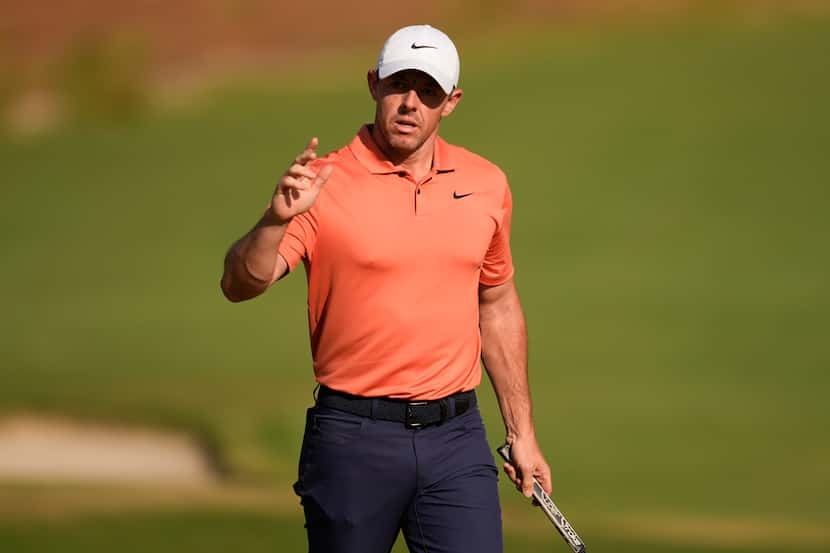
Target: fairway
[{"x": 669, "y": 234}]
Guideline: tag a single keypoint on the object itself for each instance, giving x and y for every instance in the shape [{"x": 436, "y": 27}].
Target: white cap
[{"x": 424, "y": 48}]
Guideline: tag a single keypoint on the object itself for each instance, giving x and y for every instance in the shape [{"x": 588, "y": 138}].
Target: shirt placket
[
  {"x": 422, "y": 195},
  {"x": 417, "y": 192}
]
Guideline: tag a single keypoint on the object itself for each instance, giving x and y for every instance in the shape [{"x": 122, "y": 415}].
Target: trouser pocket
[{"x": 328, "y": 435}]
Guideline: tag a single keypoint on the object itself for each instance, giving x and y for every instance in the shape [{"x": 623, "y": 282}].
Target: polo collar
[{"x": 365, "y": 150}]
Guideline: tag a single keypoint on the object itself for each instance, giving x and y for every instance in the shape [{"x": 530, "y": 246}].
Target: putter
[{"x": 553, "y": 513}]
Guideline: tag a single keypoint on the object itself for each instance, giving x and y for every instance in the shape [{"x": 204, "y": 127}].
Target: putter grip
[{"x": 550, "y": 509}]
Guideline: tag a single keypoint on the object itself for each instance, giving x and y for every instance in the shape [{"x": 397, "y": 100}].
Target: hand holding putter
[{"x": 553, "y": 513}]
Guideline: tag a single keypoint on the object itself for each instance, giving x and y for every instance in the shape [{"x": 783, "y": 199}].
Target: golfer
[{"x": 405, "y": 243}]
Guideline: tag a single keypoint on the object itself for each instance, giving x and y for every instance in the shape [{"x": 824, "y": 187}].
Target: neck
[{"x": 418, "y": 162}]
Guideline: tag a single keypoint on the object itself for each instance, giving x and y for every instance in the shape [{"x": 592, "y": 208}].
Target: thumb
[{"x": 323, "y": 176}]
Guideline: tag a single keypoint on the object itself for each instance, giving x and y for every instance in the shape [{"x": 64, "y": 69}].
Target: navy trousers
[{"x": 361, "y": 481}]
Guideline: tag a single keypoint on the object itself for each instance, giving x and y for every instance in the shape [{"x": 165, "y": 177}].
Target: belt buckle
[{"x": 411, "y": 419}]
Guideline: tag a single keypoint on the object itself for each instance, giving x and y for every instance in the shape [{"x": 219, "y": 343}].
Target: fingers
[
  {"x": 300, "y": 171},
  {"x": 310, "y": 152},
  {"x": 294, "y": 184},
  {"x": 306, "y": 178},
  {"x": 541, "y": 472},
  {"x": 300, "y": 180},
  {"x": 525, "y": 485},
  {"x": 511, "y": 473},
  {"x": 516, "y": 477},
  {"x": 299, "y": 174}
]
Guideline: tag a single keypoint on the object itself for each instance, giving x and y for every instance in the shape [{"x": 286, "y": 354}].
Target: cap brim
[{"x": 390, "y": 68}]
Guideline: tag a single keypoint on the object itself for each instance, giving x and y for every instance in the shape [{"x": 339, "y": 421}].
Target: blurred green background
[{"x": 670, "y": 180}]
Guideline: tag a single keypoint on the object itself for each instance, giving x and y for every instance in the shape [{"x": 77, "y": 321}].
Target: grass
[
  {"x": 670, "y": 194},
  {"x": 208, "y": 532}
]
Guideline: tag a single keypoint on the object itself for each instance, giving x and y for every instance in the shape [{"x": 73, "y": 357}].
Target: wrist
[
  {"x": 272, "y": 219},
  {"x": 522, "y": 434}
]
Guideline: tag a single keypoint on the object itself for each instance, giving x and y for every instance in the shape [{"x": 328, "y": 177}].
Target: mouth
[{"x": 405, "y": 126}]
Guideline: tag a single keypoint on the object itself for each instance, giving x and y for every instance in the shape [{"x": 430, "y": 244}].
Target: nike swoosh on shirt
[{"x": 458, "y": 196}]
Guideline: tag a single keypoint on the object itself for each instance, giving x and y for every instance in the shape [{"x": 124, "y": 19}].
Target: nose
[{"x": 409, "y": 102}]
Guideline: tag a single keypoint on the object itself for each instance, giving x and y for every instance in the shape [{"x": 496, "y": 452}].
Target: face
[{"x": 409, "y": 108}]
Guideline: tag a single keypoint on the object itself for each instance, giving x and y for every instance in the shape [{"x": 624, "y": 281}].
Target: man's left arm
[{"x": 504, "y": 352}]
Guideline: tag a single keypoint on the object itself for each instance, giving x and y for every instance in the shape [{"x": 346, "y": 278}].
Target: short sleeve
[
  {"x": 299, "y": 239},
  {"x": 301, "y": 235},
  {"x": 498, "y": 261}
]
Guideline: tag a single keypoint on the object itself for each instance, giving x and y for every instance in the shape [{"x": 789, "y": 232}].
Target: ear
[
  {"x": 452, "y": 101},
  {"x": 372, "y": 81}
]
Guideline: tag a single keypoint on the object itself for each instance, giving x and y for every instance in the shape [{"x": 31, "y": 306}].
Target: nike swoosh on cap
[{"x": 416, "y": 46}]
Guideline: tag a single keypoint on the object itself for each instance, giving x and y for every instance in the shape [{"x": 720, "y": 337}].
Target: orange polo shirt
[{"x": 393, "y": 268}]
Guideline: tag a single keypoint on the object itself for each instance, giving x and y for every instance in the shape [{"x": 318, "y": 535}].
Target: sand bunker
[{"x": 35, "y": 448}]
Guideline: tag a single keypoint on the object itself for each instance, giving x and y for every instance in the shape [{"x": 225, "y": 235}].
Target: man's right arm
[{"x": 253, "y": 262}]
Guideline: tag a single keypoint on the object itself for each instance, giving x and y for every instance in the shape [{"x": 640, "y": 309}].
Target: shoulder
[
  {"x": 469, "y": 161},
  {"x": 346, "y": 166},
  {"x": 341, "y": 180},
  {"x": 336, "y": 157},
  {"x": 342, "y": 161}
]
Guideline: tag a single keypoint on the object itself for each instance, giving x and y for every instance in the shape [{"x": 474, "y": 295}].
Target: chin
[{"x": 405, "y": 143}]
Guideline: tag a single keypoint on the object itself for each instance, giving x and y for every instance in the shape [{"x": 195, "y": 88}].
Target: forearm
[
  {"x": 504, "y": 352},
  {"x": 251, "y": 261}
]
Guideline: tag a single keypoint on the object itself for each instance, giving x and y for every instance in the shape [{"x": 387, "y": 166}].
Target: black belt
[{"x": 413, "y": 414}]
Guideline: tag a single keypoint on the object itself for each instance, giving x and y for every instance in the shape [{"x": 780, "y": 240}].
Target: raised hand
[{"x": 299, "y": 186}]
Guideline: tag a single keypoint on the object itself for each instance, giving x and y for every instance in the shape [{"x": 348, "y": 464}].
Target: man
[{"x": 405, "y": 243}]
